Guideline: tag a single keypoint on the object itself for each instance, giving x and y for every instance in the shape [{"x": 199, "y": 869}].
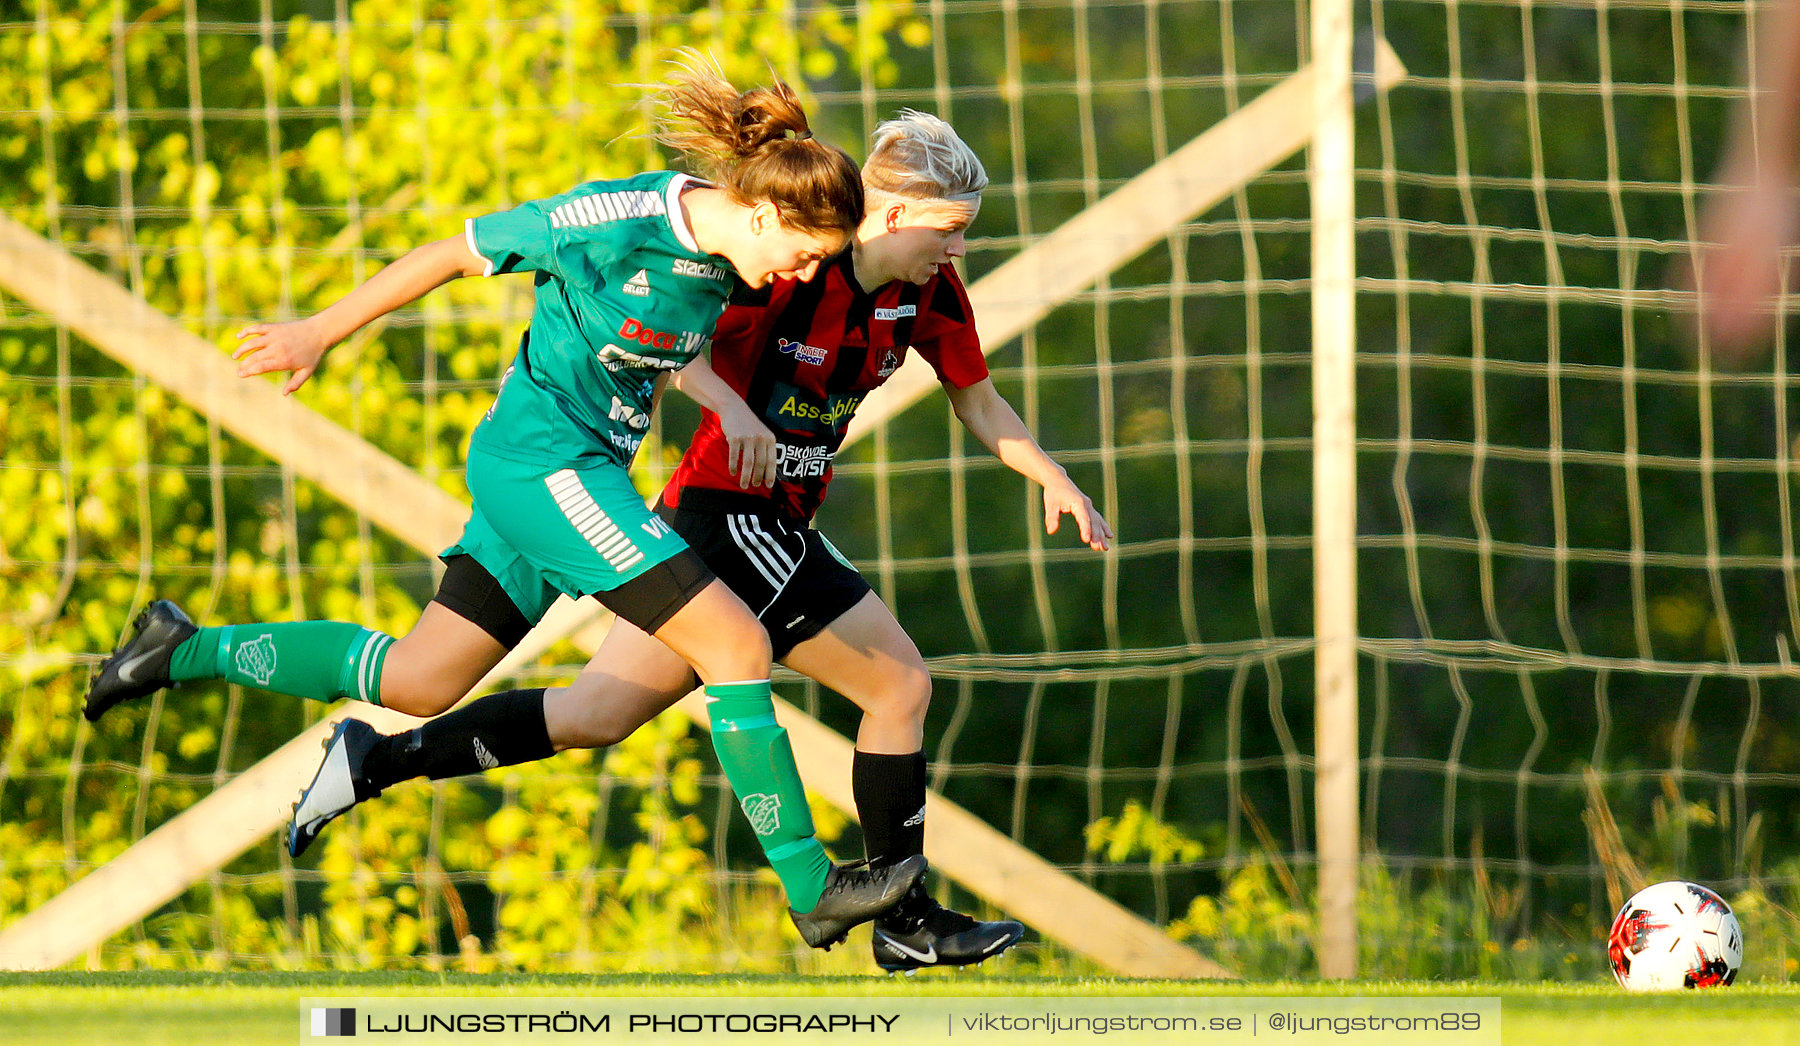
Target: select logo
[{"x": 331, "y": 1021}]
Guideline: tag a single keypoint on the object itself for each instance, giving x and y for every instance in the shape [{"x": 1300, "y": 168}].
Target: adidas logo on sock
[
  {"x": 915, "y": 820},
  {"x": 486, "y": 758}
]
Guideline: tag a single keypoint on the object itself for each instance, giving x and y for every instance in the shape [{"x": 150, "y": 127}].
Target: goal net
[{"x": 1577, "y": 569}]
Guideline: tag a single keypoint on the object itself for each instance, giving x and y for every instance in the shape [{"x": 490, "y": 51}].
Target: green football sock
[
  {"x": 758, "y": 760},
  {"x": 317, "y": 660}
]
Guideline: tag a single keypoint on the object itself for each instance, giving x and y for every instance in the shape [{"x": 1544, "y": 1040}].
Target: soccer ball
[{"x": 1675, "y": 935}]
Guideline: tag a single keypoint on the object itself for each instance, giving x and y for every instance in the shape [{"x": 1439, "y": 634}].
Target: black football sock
[
  {"x": 890, "y": 800},
  {"x": 502, "y": 729}
]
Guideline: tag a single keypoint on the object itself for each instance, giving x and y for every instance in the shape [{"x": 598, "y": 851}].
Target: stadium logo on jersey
[
  {"x": 638, "y": 285},
  {"x": 764, "y": 811},
  {"x": 899, "y": 312},
  {"x": 701, "y": 270},
  {"x": 802, "y": 352},
  {"x": 256, "y": 659},
  {"x": 797, "y": 408},
  {"x": 600, "y": 208},
  {"x": 890, "y": 362}
]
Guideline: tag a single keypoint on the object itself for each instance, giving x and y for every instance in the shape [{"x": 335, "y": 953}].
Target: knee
[
  {"x": 591, "y": 724},
  {"x": 589, "y": 735},
  {"x": 753, "y": 643},
  {"x": 415, "y": 702},
  {"x": 904, "y": 695},
  {"x": 742, "y": 652},
  {"x": 416, "y": 694},
  {"x": 719, "y": 637},
  {"x": 599, "y": 712}
]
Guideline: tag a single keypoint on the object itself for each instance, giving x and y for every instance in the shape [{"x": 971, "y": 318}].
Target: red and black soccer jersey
[{"x": 803, "y": 356}]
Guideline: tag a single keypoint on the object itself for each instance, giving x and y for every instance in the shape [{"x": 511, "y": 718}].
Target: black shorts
[
  {"x": 795, "y": 582},
  {"x": 647, "y": 601}
]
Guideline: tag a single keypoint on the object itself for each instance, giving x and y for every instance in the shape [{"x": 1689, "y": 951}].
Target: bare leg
[
  {"x": 434, "y": 665},
  {"x": 717, "y": 634},
  {"x": 631, "y": 679},
  {"x": 866, "y": 656}
]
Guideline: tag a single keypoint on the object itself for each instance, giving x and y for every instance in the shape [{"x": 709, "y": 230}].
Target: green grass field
[{"x": 194, "y": 1010}]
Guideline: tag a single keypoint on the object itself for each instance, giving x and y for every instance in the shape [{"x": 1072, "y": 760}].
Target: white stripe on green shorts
[{"x": 594, "y": 525}]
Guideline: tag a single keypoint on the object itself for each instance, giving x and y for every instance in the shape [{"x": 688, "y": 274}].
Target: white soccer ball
[{"x": 1675, "y": 935}]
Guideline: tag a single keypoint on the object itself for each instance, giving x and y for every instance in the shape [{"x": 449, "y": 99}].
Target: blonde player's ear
[{"x": 895, "y": 214}]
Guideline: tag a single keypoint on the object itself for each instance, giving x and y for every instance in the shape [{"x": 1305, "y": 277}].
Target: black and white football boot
[
  {"x": 337, "y": 786},
  {"x": 920, "y": 932},
  {"x": 855, "y": 893},
  {"x": 140, "y": 667}
]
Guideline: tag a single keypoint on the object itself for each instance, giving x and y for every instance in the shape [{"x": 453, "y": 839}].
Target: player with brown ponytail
[{"x": 631, "y": 276}]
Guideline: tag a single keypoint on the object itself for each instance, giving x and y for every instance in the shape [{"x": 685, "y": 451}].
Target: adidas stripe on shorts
[{"x": 791, "y": 577}]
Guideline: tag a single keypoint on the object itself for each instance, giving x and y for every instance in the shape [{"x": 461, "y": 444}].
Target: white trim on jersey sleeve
[
  {"x": 469, "y": 235},
  {"x": 677, "y": 220}
]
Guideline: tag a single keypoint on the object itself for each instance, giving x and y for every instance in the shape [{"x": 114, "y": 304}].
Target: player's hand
[
  {"x": 295, "y": 347},
  {"x": 1064, "y": 496},
  {"x": 1743, "y": 230},
  {"x": 749, "y": 448}
]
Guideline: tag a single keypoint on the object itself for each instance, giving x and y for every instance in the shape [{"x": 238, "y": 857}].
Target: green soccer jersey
[{"x": 623, "y": 294}]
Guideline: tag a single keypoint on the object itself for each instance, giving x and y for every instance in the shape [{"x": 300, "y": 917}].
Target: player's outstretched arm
[
  {"x": 990, "y": 419},
  {"x": 297, "y": 347}
]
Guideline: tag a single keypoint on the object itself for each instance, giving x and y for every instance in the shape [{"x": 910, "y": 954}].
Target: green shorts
[{"x": 542, "y": 530}]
